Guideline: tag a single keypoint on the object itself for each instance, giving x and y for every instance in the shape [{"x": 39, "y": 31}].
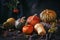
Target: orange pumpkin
[
  {"x": 27, "y": 29},
  {"x": 33, "y": 19},
  {"x": 48, "y": 15},
  {"x": 40, "y": 29}
]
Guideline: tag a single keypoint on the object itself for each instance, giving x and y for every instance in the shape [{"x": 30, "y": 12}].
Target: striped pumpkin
[{"x": 48, "y": 15}]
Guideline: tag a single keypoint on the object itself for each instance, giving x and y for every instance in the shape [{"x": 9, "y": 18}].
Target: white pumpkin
[
  {"x": 20, "y": 22},
  {"x": 17, "y": 22},
  {"x": 40, "y": 29}
]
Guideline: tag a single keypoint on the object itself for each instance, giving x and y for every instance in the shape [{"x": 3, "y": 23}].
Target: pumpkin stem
[
  {"x": 34, "y": 14},
  {"x": 22, "y": 19},
  {"x": 26, "y": 23}
]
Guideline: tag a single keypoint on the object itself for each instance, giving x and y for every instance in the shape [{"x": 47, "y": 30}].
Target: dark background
[{"x": 27, "y": 8}]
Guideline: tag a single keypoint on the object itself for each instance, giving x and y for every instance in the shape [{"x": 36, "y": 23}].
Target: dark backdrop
[{"x": 27, "y": 8}]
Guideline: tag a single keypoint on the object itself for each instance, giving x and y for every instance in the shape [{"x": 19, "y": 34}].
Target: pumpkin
[
  {"x": 11, "y": 21},
  {"x": 27, "y": 29},
  {"x": 7, "y": 25},
  {"x": 20, "y": 23},
  {"x": 48, "y": 15},
  {"x": 40, "y": 29},
  {"x": 17, "y": 22},
  {"x": 33, "y": 19}
]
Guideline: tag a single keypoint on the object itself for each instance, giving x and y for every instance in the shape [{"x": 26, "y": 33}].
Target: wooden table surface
[{"x": 15, "y": 35}]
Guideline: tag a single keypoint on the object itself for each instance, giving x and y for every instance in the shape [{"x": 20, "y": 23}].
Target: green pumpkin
[
  {"x": 22, "y": 22},
  {"x": 20, "y": 26},
  {"x": 7, "y": 25}
]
